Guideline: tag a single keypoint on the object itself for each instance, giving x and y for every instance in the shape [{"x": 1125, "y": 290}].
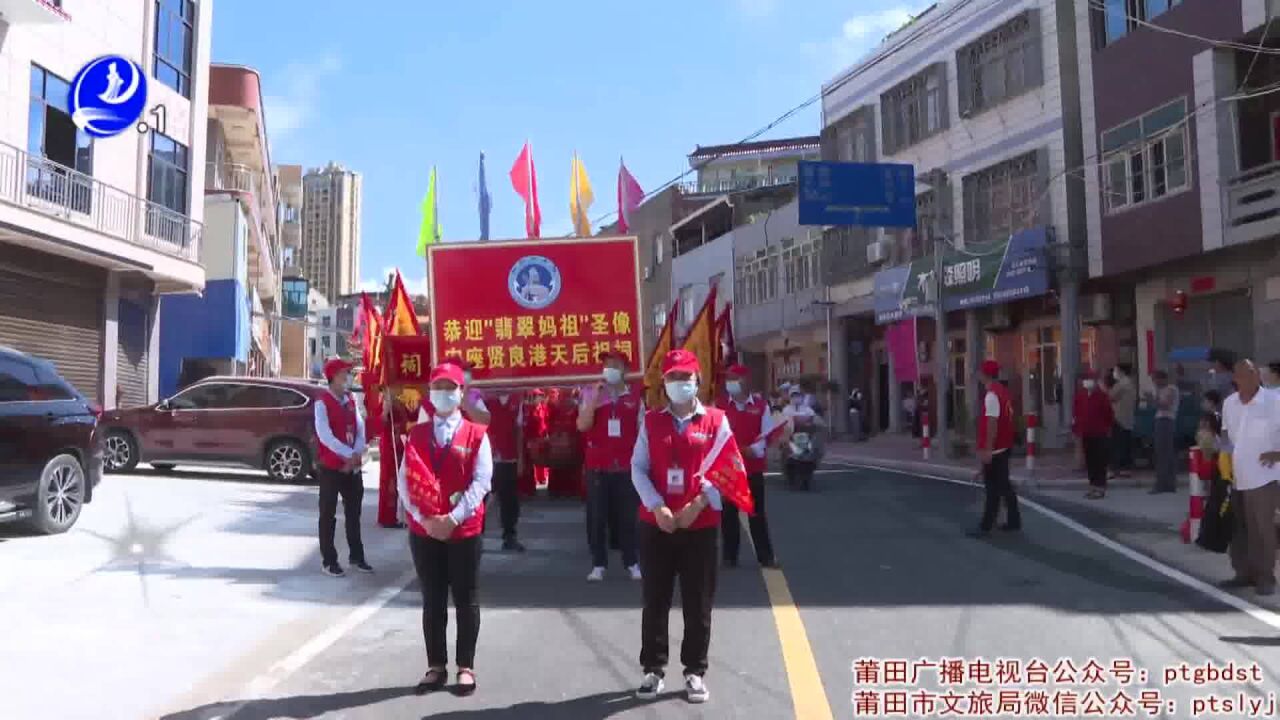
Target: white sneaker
[
  {"x": 650, "y": 686},
  {"x": 635, "y": 572},
  {"x": 596, "y": 574},
  {"x": 695, "y": 690}
]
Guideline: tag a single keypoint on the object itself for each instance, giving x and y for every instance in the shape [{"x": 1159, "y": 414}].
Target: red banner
[
  {"x": 406, "y": 359},
  {"x": 541, "y": 310}
]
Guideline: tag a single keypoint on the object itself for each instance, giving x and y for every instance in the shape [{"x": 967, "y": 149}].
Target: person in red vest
[
  {"x": 534, "y": 427},
  {"x": 565, "y": 477},
  {"x": 751, "y": 420},
  {"x": 390, "y": 447},
  {"x": 340, "y": 455},
  {"x": 1091, "y": 421},
  {"x": 679, "y": 524},
  {"x": 609, "y": 420},
  {"x": 505, "y": 410},
  {"x": 995, "y": 443},
  {"x": 446, "y": 548}
]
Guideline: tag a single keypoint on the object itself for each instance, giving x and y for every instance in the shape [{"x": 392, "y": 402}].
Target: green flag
[{"x": 429, "y": 233}]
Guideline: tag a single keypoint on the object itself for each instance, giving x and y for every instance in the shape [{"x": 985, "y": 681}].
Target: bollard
[
  {"x": 924, "y": 434},
  {"x": 1199, "y": 489},
  {"x": 1033, "y": 424}
]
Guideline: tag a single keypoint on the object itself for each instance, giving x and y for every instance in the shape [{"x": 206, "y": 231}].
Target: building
[
  {"x": 234, "y": 327},
  {"x": 288, "y": 180},
  {"x": 331, "y": 230},
  {"x": 94, "y": 231},
  {"x": 982, "y": 99},
  {"x": 1182, "y": 190}
]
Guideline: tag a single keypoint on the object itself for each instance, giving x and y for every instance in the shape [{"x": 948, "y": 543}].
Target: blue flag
[{"x": 486, "y": 203}]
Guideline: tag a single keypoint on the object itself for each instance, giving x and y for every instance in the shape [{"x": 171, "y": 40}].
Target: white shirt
[
  {"x": 482, "y": 476},
  {"x": 991, "y": 409},
  {"x": 1254, "y": 429},
  {"x": 640, "y": 461},
  {"x": 324, "y": 432}
]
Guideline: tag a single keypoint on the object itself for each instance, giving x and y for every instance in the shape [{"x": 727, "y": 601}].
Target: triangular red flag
[
  {"x": 630, "y": 195},
  {"x": 724, "y": 468},
  {"x": 525, "y": 181},
  {"x": 424, "y": 496}
]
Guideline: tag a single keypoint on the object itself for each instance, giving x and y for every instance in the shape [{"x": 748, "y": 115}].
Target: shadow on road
[
  {"x": 295, "y": 707},
  {"x": 588, "y": 707}
]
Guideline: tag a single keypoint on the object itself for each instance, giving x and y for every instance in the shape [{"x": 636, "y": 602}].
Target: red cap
[
  {"x": 612, "y": 355},
  {"x": 737, "y": 371},
  {"x": 680, "y": 361},
  {"x": 990, "y": 368},
  {"x": 448, "y": 371},
  {"x": 333, "y": 366}
]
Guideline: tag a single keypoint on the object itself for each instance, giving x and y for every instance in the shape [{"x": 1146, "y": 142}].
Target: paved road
[{"x": 876, "y": 564}]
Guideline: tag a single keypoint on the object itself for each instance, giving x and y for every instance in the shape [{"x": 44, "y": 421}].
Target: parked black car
[{"x": 50, "y": 454}]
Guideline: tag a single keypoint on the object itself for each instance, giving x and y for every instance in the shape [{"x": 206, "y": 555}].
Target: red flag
[
  {"x": 525, "y": 181},
  {"x": 775, "y": 432},
  {"x": 629, "y": 197},
  {"x": 421, "y": 488},
  {"x": 724, "y": 468},
  {"x": 724, "y": 329}
]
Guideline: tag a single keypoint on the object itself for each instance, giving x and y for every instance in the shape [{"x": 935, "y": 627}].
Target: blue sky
[{"x": 395, "y": 88}]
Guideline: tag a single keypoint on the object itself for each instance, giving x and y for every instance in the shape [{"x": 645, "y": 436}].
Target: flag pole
[{"x": 531, "y": 206}]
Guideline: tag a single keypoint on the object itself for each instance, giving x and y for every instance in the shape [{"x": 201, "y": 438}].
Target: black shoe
[
  {"x": 333, "y": 570},
  {"x": 433, "y": 681},
  {"x": 465, "y": 689},
  {"x": 513, "y": 545},
  {"x": 1235, "y": 583},
  {"x": 393, "y": 526},
  {"x": 362, "y": 566},
  {"x": 979, "y": 533}
]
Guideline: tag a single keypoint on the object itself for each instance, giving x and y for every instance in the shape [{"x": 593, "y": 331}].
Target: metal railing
[
  {"x": 241, "y": 178},
  {"x": 42, "y": 185},
  {"x": 1253, "y": 205},
  {"x": 736, "y": 184}
]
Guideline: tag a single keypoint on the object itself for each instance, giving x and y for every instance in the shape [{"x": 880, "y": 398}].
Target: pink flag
[
  {"x": 629, "y": 197},
  {"x": 900, "y": 338},
  {"x": 525, "y": 181}
]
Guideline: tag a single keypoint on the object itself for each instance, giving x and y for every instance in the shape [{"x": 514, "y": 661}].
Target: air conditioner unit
[
  {"x": 1000, "y": 318},
  {"x": 1095, "y": 309},
  {"x": 876, "y": 252}
]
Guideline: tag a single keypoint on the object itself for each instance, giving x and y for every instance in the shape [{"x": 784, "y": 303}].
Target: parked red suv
[{"x": 255, "y": 422}]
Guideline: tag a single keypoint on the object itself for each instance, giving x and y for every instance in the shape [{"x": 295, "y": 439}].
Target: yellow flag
[
  {"x": 654, "y": 392},
  {"x": 580, "y": 197},
  {"x": 702, "y": 341}
]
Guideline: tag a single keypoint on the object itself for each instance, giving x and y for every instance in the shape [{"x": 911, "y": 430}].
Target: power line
[{"x": 1215, "y": 42}]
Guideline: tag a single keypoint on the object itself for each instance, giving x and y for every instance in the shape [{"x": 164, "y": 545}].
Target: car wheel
[
  {"x": 60, "y": 496},
  {"x": 287, "y": 461},
  {"x": 120, "y": 452},
  {"x": 162, "y": 467}
]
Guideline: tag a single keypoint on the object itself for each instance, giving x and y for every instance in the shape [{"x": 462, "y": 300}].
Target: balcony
[
  {"x": 715, "y": 187},
  {"x": 234, "y": 177},
  {"x": 1253, "y": 205},
  {"x": 43, "y": 186},
  {"x": 32, "y": 12}
]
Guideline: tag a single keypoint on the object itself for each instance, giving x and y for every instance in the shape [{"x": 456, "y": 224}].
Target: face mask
[
  {"x": 613, "y": 376},
  {"x": 1090, "y": 384},
  {"x": 682, "y": 391},
  {"x": 733, "y": 386},
  {"x": 446, "y": 400}
]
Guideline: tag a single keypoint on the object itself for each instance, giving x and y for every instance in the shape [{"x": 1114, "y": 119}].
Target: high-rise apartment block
[{"x": 331, "y": 230}]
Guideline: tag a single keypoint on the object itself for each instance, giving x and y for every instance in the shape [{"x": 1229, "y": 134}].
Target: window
[
  {"x": 175, "y": 34},
  {"x": 53, "y": 136},
  {"x": 1000, "y": 65},
  {"x": 16, "y": 380},
  {"x": 211, "y": 396},
  {"x": 50, "y": 385},
  {"x": 915, "y": 109},
  {"x": 1003, "y": 199},
  {"x": 917, "y": 242},
  {"x": 659, "y": 317},
  {"x": 756, "y": 277},
  {"x": 167, "y": 176},
  {"x": 800, "y": 264},
  {"x": 1117, "y": 18},
  {"x": 265, "y": 397},
  {"x": 1146, "y": 159}
]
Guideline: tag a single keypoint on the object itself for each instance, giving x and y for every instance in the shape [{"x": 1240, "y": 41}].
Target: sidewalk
[{"x": 1129, "y": 514}]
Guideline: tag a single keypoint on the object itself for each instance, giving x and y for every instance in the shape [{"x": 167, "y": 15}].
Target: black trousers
[
  {"x": 611, "y": 507},
  {"x": 799, "y": 473},
  {"x": 1096, "y": 458},
  {"x": 758, "y": 523},
  {"x": 995, "y": 476},
  {"x": 690, "y": 557},
  {"x": 444, "y": 568},
  {"x": 504, "y": 486},
  {"x": 350, "y": 486}
]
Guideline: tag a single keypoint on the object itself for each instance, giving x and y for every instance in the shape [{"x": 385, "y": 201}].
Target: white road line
[
  {"x": 1260, "y": 614},
  {"x": 294, "y": 661}
]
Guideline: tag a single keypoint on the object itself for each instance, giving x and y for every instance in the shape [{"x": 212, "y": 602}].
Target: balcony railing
[
  {"x": 1253, "y": 205},
  {"x": 44, "y": 186},
  {"x": 241, "y": 178},
  {"x": 736, "y": 184},
  {"x": 33, "y": 12}
]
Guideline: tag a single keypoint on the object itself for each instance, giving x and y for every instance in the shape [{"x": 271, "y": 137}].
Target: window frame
[
  {"x": 907, "y": 109},
  {"x": 179, "y": 79},
  {"x": 201, "y": 387},
  {"x": 171, "y": 168},
  {"x": 1134, "y": 144},
  {"x": 1022, "y": 176},
  {"x": 1018, "y": 39}
]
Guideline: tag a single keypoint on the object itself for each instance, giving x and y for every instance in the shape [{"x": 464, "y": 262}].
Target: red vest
[
  {"x": 614, "y": 453},
  {"x": 453, "y": 468},
  {"x": 503, "y": 415},
  {"x": 1004, "y": 424},
  {"x": 747, "y": 425},
  {"x": 669, "y": 449},
  {"x": 342, "y": 423}
]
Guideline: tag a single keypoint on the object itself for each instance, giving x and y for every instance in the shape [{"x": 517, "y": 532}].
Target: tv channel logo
[{"x": 108, "y": 96}]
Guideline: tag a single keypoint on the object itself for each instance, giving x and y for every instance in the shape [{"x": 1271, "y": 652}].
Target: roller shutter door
[{"x": 132, "y": 352}]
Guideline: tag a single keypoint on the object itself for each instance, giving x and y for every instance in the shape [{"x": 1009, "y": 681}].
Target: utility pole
[{"x": 937, "y": 180}]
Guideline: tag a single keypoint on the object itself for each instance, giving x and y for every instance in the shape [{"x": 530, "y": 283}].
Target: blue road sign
[{"x": 864, "y": 194}]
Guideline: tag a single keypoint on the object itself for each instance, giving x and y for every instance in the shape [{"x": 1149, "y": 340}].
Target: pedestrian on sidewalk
[
  {"x": 1124, "y": 405},
  {"x": 995, "y": 441},
  {"x": 1165, "y": 450},
  {"x": 1092, "y": 421},
  {"x": 1251, "y": 417},
  {"x": 751, "y": 421},
  {"x": 680, "y": 521},
  {"x": 340, "y": 446},
  {"x": 609, "y": 420},
  {"x": 446, "y": 546}
]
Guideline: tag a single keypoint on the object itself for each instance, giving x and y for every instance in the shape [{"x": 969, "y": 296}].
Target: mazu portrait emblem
[
  {"x": 534, "y": 282},
  {"x": 108, "y": 96}
]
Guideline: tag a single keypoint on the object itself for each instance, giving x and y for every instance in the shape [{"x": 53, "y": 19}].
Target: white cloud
[
  {"x": 415, "y": 285},
  {"x": 862, "y": 32},
  {"x": 756, "y": 8},
  {"x": 302, "y": 84}
]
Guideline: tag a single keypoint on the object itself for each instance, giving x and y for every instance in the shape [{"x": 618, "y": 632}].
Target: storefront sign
[
  {"x": 535, "y": 310},
  {"x": 1010, "y": 271}
]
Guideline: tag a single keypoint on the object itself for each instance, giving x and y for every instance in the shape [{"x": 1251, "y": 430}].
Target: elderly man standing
[{"x": 1251, "y": 417}]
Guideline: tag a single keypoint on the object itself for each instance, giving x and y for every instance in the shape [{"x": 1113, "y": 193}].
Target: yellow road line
[{"x": 808, "y": 696}]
